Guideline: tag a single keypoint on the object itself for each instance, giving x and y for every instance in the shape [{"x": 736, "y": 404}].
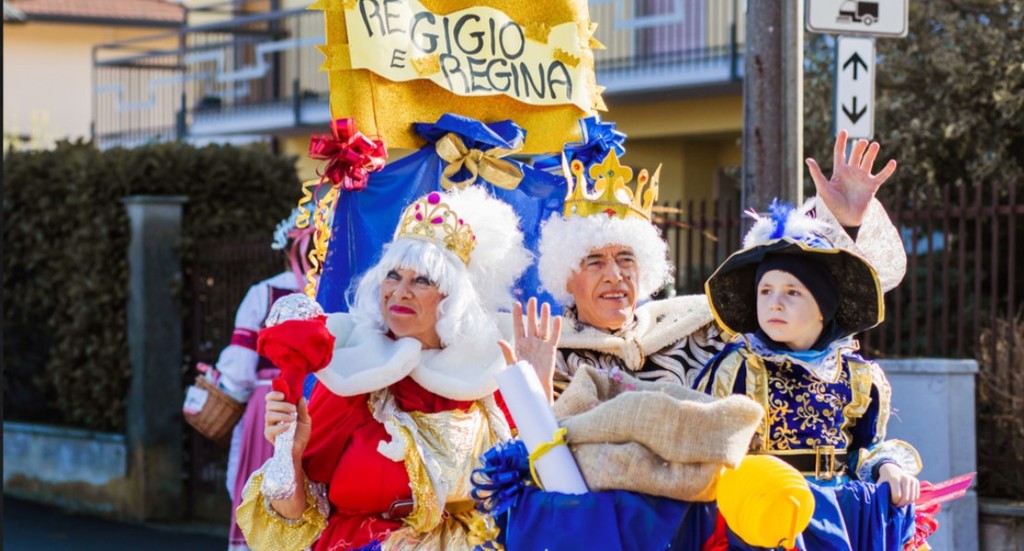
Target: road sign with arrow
[{"x": 855, "y": 87}]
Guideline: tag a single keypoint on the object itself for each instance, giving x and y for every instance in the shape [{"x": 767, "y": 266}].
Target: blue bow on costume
[
  {"x": 364, "y": 221},
  {"x": 498, "y": 484},
  {"x": 531, "y": 518},
  {"x": 598, "y": 139}
]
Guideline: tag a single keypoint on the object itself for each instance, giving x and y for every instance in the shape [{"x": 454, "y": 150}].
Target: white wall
[{"x": 48, "y": 87}]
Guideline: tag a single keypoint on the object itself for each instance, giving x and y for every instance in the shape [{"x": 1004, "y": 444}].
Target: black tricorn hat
[{"x": 731, "y": 289}]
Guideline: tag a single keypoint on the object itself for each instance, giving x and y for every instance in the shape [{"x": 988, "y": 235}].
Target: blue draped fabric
[
  {"x": 364, "y": 221},
  {"x": 611, "y": 521},
  {"x": 852, "y": 516},
  {"x": 848, "y": 515},
  {"x": 308, "y": 385}
]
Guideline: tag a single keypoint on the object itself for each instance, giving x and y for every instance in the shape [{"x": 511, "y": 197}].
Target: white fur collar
[
  {"x": 366, "y": 360},
  {"x": 659, "y": 324}
]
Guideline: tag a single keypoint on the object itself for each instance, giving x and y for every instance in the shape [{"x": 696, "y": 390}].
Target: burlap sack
[{"x": 655, "y": 438}]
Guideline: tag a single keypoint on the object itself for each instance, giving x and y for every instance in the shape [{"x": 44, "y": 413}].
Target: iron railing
[
  {"x": 658, "y": 44},
  {"x": 230, "y": 74},
  {"x": 234, "y": 73},
  {"x": 219, "y": 275},
  {"x": 137, "y": 91}
]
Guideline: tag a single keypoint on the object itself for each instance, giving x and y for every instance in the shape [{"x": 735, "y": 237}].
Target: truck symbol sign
[{"x": 858, "y": 12}]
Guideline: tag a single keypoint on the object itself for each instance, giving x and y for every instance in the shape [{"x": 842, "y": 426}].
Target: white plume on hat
[
  {"x": 784, "y": 220},
  {"x": 499, "y": 257},
  {"x": 282, "y": 229}
]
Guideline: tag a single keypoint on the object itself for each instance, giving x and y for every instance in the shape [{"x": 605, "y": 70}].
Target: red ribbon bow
[{"x": 350, "y": 155}]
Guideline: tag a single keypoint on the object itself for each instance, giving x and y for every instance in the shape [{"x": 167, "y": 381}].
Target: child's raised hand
[
  {"x": 905, "y": 489},
  {"x": 850, "y": 188}
]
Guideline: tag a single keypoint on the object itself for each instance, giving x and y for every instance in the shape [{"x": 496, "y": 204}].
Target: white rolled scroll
[{"x": 536, "y": 422}]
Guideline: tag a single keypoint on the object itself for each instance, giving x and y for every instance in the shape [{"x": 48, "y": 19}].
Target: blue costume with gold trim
[{"x": 826, "y": 414}]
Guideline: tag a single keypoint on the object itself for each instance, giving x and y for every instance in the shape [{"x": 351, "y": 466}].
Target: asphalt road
[{"x": 29, "y": 526}]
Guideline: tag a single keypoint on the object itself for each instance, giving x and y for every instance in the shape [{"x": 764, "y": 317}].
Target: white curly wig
[
  {"x": 565, "y": 242},
  {"x": 473, "y": 293}
]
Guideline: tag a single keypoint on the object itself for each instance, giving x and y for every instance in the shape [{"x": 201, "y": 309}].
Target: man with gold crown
[
  {"x": 653, "y": 453},
  {"x": 603, "y": 259}
]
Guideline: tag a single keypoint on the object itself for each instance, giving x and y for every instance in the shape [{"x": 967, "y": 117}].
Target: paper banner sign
[{"x": 395, "y": 62}]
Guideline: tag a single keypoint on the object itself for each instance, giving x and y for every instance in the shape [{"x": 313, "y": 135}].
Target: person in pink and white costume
[{"x": 245, "y": 376}]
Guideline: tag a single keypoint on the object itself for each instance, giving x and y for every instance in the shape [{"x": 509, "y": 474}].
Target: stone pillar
[{"x": 153, "y": 432}]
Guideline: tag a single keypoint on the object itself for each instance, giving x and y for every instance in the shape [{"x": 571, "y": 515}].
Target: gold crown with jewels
[
  {"x": 611, "y": 194},
  {"x": 431, "y": 220}
]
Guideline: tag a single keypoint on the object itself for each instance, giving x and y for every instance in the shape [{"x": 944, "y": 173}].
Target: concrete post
[
  {"x": 933, "y": 409},
  {"x": 153, "y": 433}
]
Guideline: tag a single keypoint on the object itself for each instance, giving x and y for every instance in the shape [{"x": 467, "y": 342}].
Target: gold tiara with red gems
[
  {"x": 611, "y": 194},
  {"x": 431, "y": 220}
]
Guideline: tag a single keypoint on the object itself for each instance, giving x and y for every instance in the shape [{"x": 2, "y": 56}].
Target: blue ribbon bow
[
  {"x": 598, "y": 139},
  {"x": 499, "y": 483}
]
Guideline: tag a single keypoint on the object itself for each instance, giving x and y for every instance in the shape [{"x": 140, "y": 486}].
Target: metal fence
[
  {"x": 667, "y": 43},
  {"x": 963, "y": 245},
  {"x": 137, "y": 91},
  {"x": 219, "y": 274},
  {"x": 701, "y": 234}
]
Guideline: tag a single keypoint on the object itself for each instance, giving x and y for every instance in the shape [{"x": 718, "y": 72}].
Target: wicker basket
[{"x": 218, "y": 415}]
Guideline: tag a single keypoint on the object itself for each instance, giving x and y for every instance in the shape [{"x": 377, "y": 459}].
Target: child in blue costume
[{"x": 794, "y": 301}]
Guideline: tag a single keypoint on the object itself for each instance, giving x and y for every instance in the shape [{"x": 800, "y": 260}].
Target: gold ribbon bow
[
  {"x": 558, "y": 439},
  {"x": 482, "y": 532},
  {"x": 481, "y": 164}
]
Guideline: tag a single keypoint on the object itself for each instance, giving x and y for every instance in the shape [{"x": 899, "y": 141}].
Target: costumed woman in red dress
[{"x": 406, "y": 402}]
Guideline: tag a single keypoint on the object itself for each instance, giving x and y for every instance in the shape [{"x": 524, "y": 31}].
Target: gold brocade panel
[{"x": 441, "y": 451}]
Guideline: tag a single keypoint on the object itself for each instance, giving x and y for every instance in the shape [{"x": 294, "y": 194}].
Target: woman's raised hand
[
  {"x": 536, "y": 342},
  {"x": 279, "y": 414}
]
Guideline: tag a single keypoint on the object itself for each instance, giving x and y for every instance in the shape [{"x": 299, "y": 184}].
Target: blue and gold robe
[{"x": 825, "y": 414}]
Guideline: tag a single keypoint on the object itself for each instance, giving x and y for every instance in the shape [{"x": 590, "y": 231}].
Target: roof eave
[{"x": 105, "y": 21}]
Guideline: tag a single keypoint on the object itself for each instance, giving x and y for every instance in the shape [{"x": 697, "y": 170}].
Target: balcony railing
[
  {"x": 229, "y": 74},
  {"x": 655, "y": 45}
]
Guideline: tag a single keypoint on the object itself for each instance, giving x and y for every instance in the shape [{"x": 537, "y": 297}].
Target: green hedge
[{"x": 65, "y": 268}]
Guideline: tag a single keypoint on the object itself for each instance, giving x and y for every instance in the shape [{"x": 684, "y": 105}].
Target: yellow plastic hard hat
[{"x": 765, "y": 501}]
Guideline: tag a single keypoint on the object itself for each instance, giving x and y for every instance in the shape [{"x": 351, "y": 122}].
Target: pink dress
[{"x": 247, "y": 377}]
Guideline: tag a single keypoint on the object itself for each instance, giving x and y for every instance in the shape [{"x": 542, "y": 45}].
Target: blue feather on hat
[{"x": 784, "y": 220}]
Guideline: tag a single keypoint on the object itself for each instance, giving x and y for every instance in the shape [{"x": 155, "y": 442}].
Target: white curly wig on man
[
  {"x": 474, "y": 293},
  {"x": 565, "y": 242}
]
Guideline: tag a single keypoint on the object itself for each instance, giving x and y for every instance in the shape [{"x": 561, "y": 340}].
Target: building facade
[
  {"x": 47, "y": 51},
  {"x": 249, "y": 71}
]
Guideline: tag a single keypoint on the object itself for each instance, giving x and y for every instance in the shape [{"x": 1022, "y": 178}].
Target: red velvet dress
[{"x": 342, "y": 453}]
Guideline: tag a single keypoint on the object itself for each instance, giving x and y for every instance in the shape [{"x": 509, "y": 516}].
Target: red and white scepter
[{"x": 297, "y": 340}]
